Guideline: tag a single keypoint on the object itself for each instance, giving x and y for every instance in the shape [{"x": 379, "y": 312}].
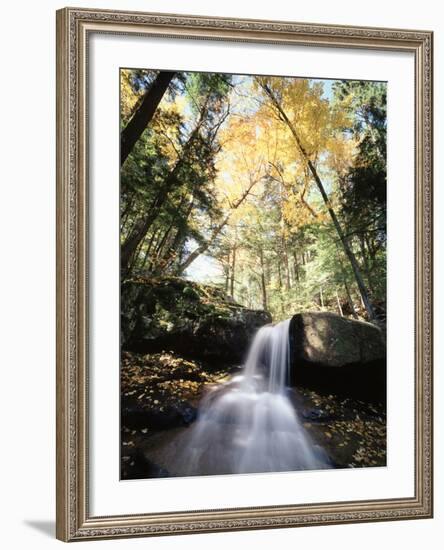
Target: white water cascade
[{"x": 249, "y": 424}]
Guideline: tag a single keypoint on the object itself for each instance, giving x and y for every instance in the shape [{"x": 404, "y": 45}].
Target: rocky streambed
[
  {"x": 180, "y": 338},
  {"x": 158, "y": 408}
]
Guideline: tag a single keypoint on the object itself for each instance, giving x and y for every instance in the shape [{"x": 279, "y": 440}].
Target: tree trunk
[
  {"x": 350, "y": 299},
  {"x": 350, "y": 255},
  {"x": 135, "y": 257},
  {"x": 365, "y": 261},
  {"x": 356, "y": 271},
  {"x": 339, "y": 304},
  {"x": 281, "y": 298},
  {"x": 141, "y": 118},
  {"x": 227, "y": 272},
  {"x": 206, "y": 244},
  {"x": 147, "y": 251},
  {"x": 296, "y": 267},
  {"x": 126, "y": 212},
  {"x": 263, "y": 281},
  {"x": 346, "y": 287},
  {"x": 161, "y": 253},
  {"x": 203, "y": 247},
  {"x": 160, "y": 246},
  {"x": 233, "y": 268},
  {"x": 180, "y": 235},
  {"x": 287, "y": 265},
  {"x": 143, "y": 224}
]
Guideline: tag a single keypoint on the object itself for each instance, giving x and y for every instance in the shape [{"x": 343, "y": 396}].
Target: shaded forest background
[{"x": 271, "y": 188}]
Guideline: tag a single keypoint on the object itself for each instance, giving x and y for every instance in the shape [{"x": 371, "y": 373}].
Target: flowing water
[{"x": 250, "y": 424}]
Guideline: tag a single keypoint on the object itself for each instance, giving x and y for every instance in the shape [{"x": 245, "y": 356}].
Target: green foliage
[
  {"x": 216, "y": 174},
  {"x": 176, "y": 151}
]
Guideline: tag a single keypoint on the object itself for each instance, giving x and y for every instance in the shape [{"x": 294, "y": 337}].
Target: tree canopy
[{"x": 271, "y": 188}]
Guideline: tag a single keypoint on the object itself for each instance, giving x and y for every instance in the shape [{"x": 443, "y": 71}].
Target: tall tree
[
  {"x": 219, "y": 172},
  {"x": 280, "y": 110},
  {"x": 363, "y": 185},
  {"x": 144, "y": 113},
  {"x": 206, "y": 244},
  {"x": 144, "y": 223},
  {"x": 175, "y": 156}
]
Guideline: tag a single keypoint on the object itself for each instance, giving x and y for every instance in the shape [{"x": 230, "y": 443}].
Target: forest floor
[{"x": 160, "y": 395}]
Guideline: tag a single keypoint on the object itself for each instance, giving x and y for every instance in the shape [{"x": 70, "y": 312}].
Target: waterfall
[
  {"x": 250, "y": 424},
  {"x": 268, "y": 359}
]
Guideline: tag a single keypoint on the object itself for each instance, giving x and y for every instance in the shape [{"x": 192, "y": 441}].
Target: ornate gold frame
[{"x": 73, "y": 519}]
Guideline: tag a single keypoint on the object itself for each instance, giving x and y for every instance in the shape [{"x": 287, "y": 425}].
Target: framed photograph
[{"x": 244, "y": 274}]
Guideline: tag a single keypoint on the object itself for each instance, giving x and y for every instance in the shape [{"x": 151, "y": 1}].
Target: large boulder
[
  {"x": 338, "y": 355},
  {"x": 325, "y": 338},
  {"x": 192, "y": 319}
]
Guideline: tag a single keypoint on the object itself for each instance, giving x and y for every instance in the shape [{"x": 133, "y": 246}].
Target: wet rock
[
  {"x": 337, "y": 354},
  {"x": 138, "y": 415},
  {"x": 135, "y": 465},
  {"x": 324, "y": 338},
  {"x": 194, "y": 320}
]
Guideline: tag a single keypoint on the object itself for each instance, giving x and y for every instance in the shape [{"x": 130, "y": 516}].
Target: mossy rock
[
  {"x": 195, "y": 320},
  {"x": 338, "y": 354},
  {"x": 190, "y": 293},
  {"x": 324, "y": 338}
]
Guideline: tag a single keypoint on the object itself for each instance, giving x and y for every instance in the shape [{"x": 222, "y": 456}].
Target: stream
[{"x": 249, "y": 423}]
